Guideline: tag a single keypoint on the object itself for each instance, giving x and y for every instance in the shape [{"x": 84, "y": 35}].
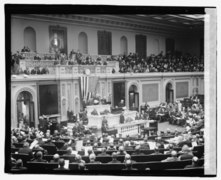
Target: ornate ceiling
[{"x": 176, "y": 24}]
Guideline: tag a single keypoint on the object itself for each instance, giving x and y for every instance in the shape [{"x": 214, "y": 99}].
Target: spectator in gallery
[
  {"x": 61, "y": 164},
  {"x": 114, "y": 159},
  {"x": 172, "y": 158},
  {"x": 55, "y": 158},
  {"x": 128, "y": 166},
  {"x": 195, "y": 163}
]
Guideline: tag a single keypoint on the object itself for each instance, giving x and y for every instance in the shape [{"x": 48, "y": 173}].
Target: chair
[
  {"x": 50, "y": 149},
  {"x": 162, "y": 165},
  {"x": 36, "y": 166},
  {"x": 48, "y": 157},
  {"x": 23, "y": 157},
  {"x": 105, "y": 167},
  {"x": 104, "y": 159},
  {"x": 197, "y": 171},
  {"x": 149, "y": 158},
  {"x": 61, "y": 152},
  {"x": 200, "y": 150},
  {"x": 73, "y": 166},
  {"x": 18, "y": 145},
  {"x": 13, "y": 150},
  {"x": 51, "y": 166},
  {"x": 59, "y": 145},
  {"x": 71, "y": 158}
]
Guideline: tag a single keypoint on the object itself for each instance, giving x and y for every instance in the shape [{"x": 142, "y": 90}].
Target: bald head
[{"x": 174, "y": 154}]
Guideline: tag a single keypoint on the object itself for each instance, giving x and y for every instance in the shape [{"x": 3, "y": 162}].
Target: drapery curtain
[
  {"x": 104, "y": 43},
  {"x": 141, "y": 45}
]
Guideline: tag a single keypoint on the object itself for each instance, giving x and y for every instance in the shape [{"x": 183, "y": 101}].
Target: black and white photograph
[{"x": 111, "y": 90}]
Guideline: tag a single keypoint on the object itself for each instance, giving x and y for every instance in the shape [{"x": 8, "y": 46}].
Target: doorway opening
[
  {"x": 169, "y": 93},
  {"x": 119, "y": 93},
  {"x": 25, "y": 109},
  {"x": 133, "y": 98}
]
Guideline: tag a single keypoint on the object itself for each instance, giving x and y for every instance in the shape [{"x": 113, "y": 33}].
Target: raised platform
[{"x": 113, "y": 119}]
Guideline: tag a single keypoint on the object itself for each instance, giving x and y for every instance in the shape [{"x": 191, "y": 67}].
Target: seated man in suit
[
  {"x": 121, "y": 151},
  {"x": 128, "y": 157},
  {"x": 145, "y": 144},
  {"x": 92, "y": 159},
  {"x": 61, "y": 164},
  {"x": 82, "y": 167},
  {"x": 195, "y": 163},
  {"x": 186, "y": 153},
  {"x": 128, "y": 165},
  {"x": 127, "y": 146},
  {"x": 55, "y": 158},
  {"x": 39, "y": 157},
  {"x": 79, "y": 159},
  {"x": 114, "y": 158},
  {"x": 137, "y": 151},
  {"x": 25, "y": 149},
  {"x": 172, "y": 158}
]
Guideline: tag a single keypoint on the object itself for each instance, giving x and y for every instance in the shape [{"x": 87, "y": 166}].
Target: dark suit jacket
[
  {"x": 25, "y": 150},
  {"x": 185, "y": 156}
]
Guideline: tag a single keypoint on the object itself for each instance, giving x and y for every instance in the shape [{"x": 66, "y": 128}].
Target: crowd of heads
[
  {"x": 160, "y": 63},
  {"x": 131, "y": 63}
]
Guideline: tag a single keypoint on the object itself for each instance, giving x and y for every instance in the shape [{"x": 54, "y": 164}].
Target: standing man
[
  {"x": 104, "y": 125},
  {"x": 122, "y": 118}
]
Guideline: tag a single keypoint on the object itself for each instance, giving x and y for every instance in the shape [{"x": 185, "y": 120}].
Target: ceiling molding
[{"x": 120, "y": 22}]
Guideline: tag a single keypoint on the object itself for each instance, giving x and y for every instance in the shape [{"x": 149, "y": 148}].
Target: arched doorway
[
  {"x": 83, "y": 43},
  {"x": 123, "y": 45},
  {"x": 30, "y": 38},
  {"x": 25, "y": 109},
  {"x": 169, "y": 93},
  {"x": 133, "y": 98}
]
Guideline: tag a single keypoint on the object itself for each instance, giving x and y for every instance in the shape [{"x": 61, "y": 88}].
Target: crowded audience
[{"x": 131, "y": 63}]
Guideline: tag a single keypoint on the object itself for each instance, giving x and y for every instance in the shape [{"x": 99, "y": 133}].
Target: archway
[
  {"x": 25, "y": 109},
  {"x": 30, "y": 38},
  {"x": 169, "y": 93},
  {"x": 83, "y": 43},
  {"x": 133, "y": 98},
  {"x": 123, "y": 45}
]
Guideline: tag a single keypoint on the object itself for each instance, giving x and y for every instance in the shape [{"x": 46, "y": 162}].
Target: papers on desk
[
  {"x": 33, "y": 144},
  {"x": 79, "y": 145}
]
